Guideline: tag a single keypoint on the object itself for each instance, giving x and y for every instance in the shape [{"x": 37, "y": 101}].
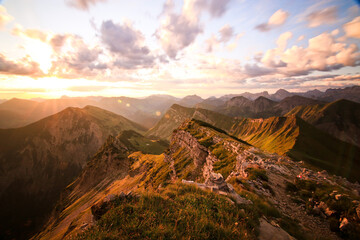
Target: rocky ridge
[{"x": 285, "y": 198}]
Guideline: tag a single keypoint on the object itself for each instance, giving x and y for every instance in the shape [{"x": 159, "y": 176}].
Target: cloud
[
  {"x": 277, "y": 19},
  {"x": 74, "y": 58},
  {"x": 253, "y": 70},
  {"x": 4, "y": 17},
  {"x": 320, "y": 17},
  {"x": 217, "y": 7},
  {"x": 24, "y": 66},
  {"x": 127, "y": 44},
  {"x": 282, "y": 40},
  {"x": 177, "y": 31},
  {"x": 352, "y": 29},
  {"x": 300, "y": 38},
  {"x": 322, "y": 54},
  {"x": 18, "y": 30},
  {"x": 83, "y": 4},
  {"x": 226, "y": 33}
]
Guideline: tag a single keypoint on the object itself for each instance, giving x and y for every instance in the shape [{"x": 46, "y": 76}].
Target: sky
[{"x": 136, "y": 48}]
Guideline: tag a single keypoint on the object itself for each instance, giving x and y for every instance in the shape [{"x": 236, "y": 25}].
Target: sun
[{"x": 40, "y": 52}]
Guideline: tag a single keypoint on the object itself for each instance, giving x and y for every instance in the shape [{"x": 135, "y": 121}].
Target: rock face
[
  {"x": 270, "y": 232},
  {"x": 38, "y": 161}
]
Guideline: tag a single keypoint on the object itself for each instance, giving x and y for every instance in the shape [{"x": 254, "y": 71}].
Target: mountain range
[
  {"x": 247, "y": 166},
  {"x": 147, "y": 111}
]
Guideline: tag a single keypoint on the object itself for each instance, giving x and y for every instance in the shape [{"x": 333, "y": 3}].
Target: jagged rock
[
  {"x": 338, "y": 196},
  {"x": 345, "y": 225},
  {"x": 240, "y": 200},
  {"x": 325, "y": 210},
  {"x": 329, "y": 212},
  {"x": 270, "y": 232},
  {"x": 216, "y": 180}
]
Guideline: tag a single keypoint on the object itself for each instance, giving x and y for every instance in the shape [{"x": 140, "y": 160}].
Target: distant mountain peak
[{"x": 281, "y": 91}]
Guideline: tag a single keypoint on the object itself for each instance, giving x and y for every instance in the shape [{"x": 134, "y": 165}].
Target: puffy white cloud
[
  {"x": 277, "y": 19},
  {"x": 323, "y": 16},
  {"x": 83, "y": 4},
  {"x": 323, "y": 54},
  {"x": 4, "y": 17},
  {"x": 178, "y": 31},
  {"x": 352, "y": 29}
]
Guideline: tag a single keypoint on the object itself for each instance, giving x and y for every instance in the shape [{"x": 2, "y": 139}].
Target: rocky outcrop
[{"x": 269, "y": 231}]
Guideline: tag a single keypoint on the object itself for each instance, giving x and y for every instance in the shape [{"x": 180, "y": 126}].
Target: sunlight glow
[{"x": 39, "y": 52}]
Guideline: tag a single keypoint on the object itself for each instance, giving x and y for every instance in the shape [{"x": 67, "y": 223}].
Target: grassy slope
[
  {"x": 176, "y": 212},
  {"x": 275, "y": 134},
  {"x": 302, "y": 141},
  {"x": 108, "y": 120},
  {"x": 340, "y": 119},
  {"x": 170, "y": 121}
]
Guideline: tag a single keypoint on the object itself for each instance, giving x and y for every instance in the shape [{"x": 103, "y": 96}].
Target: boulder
[{"x": 270, "y": 232}]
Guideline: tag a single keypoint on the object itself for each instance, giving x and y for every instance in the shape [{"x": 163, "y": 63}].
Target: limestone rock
[{"x": 270, "y": 232}]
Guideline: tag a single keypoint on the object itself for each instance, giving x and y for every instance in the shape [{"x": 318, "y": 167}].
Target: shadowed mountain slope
[
  {"x": 340, "y": 119},
  {"x": 178, "y": 114},
  {"x": 39, "y": 160}
]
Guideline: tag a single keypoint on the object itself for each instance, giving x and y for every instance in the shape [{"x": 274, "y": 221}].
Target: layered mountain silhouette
[
  {"x": 261, "y": 107},
  {"x": 147, "y": 111},
  {"x": 39, "y": 160}
]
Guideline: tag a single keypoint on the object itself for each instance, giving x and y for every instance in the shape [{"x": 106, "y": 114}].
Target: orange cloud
[
  {"x": 277, "y": 19},
  {"x": 352, "y": 29}
]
